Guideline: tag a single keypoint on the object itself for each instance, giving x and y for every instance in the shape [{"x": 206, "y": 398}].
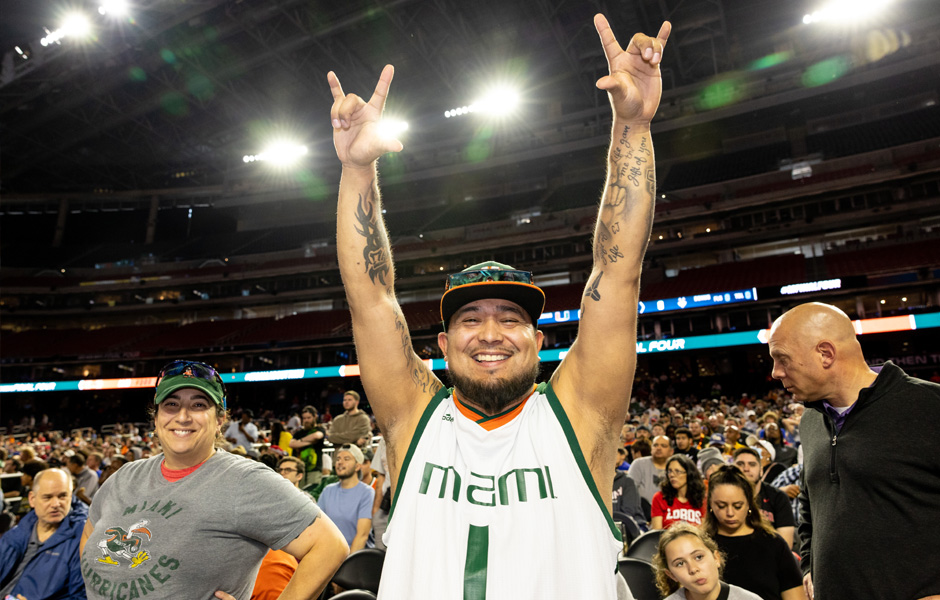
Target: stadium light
[
  {"x": 115, "y": 8},
  {"x": 282, "y": 154},
  {"x": 392, "y": 128},
  {"x": 501, "y": 100},
  {"x": 75, "y": 25},
  {"x": 844, "y": 11}
]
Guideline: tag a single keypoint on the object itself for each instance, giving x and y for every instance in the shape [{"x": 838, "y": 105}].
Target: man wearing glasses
[
  {"x": 291, "y": 468},
  {"x": 499, "y": 467}
]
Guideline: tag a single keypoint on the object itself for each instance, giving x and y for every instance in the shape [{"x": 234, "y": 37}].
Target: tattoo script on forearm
[{"x": 632, "y": 176}]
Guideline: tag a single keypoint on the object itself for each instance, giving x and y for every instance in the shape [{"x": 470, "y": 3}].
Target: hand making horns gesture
[
  {"x": 634, "y": 84},
  {"x": 356, "y": 133}
]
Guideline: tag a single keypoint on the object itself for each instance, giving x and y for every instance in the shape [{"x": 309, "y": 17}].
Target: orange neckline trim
[{"x": 488, "y": 423}]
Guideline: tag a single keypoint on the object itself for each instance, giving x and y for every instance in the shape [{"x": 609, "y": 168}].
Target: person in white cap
[
  {"x": 773, "y": 503},
  {"x": 348, "y": 502},
  {"x": 501, "y": 484}
]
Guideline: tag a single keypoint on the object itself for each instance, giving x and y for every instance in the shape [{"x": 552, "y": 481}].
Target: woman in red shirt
[{"x": 681, "y": 496}]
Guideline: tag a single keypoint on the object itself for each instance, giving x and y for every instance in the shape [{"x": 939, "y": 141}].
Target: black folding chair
[
  {"x": 645, "y": 546},
  {"x": 361, "y": 571},
  {"x": 641, "y": 579}
]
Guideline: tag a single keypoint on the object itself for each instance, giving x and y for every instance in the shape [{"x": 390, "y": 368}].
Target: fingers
[
  {"x": 335, "y": 86},
  {"x": 608, "y": 40},
  {"x": 651, "y": 49},
  {"x": 223, "y": 596},
  {"x": 808, "y": 586},
  {"x": 381, "y": 88}
]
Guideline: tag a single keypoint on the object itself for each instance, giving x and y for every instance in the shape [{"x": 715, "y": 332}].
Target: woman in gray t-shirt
[{"x": 196, "y": 522}]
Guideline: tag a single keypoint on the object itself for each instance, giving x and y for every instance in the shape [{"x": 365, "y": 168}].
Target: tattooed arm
[
  {"x": 397, "y": 383},
  {"x": 594, "y": 381}
]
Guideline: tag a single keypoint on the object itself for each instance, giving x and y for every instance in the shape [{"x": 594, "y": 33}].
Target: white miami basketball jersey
[{"x": 498, "y": 508}]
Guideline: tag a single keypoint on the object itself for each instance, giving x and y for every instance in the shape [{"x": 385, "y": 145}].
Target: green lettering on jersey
[
  {"x": 489, "y": 490},
  {"x": 520, "y": 485},
  {"x": 429, "y": 469},
  {"x": 474, "y": 572}
]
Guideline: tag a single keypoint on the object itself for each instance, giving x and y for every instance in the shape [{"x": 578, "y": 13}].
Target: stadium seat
[
  {"x": 640, "y": 578},
  {"x": 644, "y": 547},
  {"x": 361, "y": 570}
]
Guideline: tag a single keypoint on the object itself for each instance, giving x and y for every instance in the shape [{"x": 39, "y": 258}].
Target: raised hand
[
  {"x": 634, "y": 84},
  {"x": 356, "y": 135}
]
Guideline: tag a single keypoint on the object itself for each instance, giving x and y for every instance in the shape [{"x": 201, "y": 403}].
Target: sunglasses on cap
[
  {"x": 191, "y": 368},
  {"x": 466, "y": 277}
]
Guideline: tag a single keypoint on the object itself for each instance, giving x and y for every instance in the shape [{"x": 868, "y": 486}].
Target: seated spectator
[
  {"x": 732, "y": 439},
  {"x": 767, "y": 456},
  {"x": 348, "y": 502},
  {"x": 699, "y": 439},
  {"x": 86, "y": 480},
  {"x": 626, "y": 498},
  {"x": 307, "y": 445},
  {"x": 772, "y": 434},
  {"x": 639, "y": 449},
  {"x": 689, "y": 567},
  {"x": 291, "y": 468},
  {"x": 648, "y": 472},
  {"x": 684, "y": 443},
  {"x": 366, "y": 475},
  {"x": 39, "y": 557},
  {"x": 627, "y": 434},
  {"x": 94, "y": 462},
  {"x": 622, "y": 464},
  {"x": 681, "y": 496},
  {"x": 116, "y": 463},
  {"x": 773, "y": 503},
  {"x": 788, "y": 482},
  {"x": 757, "y": 559}
]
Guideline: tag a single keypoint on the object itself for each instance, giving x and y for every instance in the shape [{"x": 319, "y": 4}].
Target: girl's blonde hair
[{"x": 664, "y": 582}]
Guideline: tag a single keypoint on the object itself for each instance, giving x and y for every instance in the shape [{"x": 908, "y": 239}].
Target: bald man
[{"x": 870, "y": 496}]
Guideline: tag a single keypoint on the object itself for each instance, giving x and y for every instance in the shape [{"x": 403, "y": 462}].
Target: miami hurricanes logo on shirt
[{"x": 120, "y": 543}]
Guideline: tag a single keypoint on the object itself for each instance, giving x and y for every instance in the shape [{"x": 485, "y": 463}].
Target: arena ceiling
[{"x": 175, "y": 97}]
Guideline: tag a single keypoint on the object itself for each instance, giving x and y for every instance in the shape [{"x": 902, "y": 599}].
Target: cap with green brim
[
  {"x": 492, "y": 280},
  {"x": 168, "y": 385}
]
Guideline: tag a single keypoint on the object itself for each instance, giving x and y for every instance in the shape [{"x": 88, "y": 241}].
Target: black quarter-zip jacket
[{"x": 870, "y": 493}]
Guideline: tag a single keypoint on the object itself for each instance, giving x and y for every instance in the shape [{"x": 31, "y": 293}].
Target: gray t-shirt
[
  {"x": 728, "y": 592},
  {"x": 206, "y": 532},
  {"x": 647, "y": 477},
  {"x": 32, "y": 548}
]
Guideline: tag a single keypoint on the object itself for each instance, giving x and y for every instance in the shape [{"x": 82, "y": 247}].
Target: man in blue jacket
[{"x": 39, "y": 557}]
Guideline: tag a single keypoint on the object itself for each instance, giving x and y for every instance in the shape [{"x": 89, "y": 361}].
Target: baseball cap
[
  {"x": 708, "y": 457},
  {"x": 492, "y": 280},
  {"x": 352, "y": 449},
  {"x": 758, "y": 444},
  {"x": 181, "y": 374}
]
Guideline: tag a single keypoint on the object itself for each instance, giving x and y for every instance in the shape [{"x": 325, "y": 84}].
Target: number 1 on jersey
[{"x": 474, "y": 573}]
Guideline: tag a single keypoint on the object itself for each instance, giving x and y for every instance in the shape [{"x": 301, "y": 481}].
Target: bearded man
[{"x": 501, "y": 485}]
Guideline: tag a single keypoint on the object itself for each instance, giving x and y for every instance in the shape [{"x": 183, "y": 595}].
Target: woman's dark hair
[
  {"x": 731, "y": 475},
  {"x": 695, "y": 485}
]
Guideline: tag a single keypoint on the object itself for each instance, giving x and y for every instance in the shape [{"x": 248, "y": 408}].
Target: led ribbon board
[{"x": 699, "y": 342}]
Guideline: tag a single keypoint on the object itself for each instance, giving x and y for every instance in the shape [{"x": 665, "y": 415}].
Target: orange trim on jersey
[{"x": 490, "y": 423}]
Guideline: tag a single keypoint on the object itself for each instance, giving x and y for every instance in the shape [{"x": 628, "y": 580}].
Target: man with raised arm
[{"x": 501, "y": 484}]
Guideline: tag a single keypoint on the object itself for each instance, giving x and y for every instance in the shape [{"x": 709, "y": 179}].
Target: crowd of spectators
[{"x": 333, "y": 459}]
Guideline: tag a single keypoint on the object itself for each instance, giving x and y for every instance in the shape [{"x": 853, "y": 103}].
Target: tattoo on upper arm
[
  {"x": 421, "y": 376},
  {"x": 375, "y": 251},
  {"x": 592, "y": 292}
]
